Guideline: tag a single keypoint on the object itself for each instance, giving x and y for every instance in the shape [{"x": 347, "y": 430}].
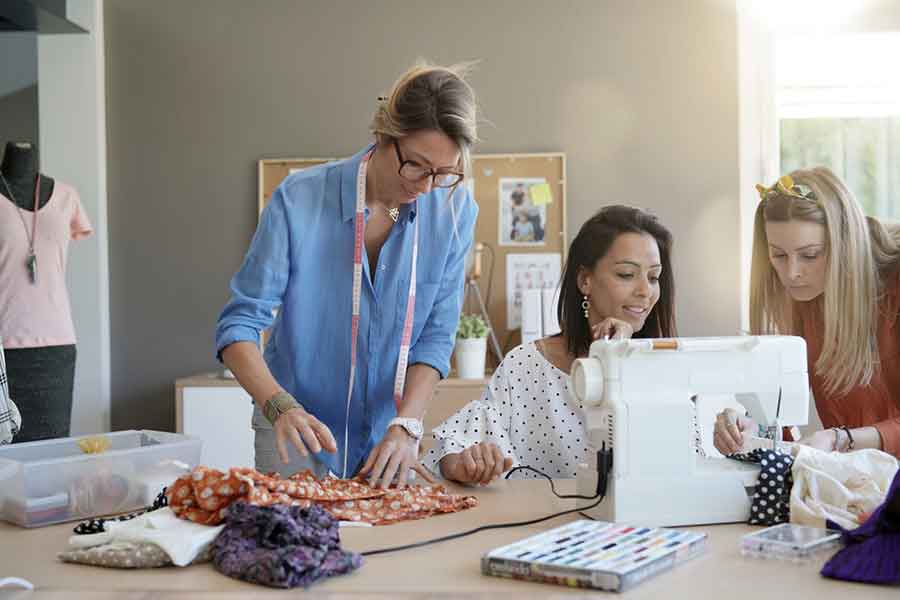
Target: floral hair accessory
[{"x": 785, "y": 186}]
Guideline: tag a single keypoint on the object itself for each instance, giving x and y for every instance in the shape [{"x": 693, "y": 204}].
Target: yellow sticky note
[{"x": 540, "y": 194}]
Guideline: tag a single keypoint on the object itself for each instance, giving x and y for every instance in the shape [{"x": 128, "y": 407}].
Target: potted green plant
[{"x": 471, "y": 346}]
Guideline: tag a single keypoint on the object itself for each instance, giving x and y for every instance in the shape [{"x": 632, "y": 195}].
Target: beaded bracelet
[
  {"x": 277, "y": 405},
  {"x": 851, "y": 444}
]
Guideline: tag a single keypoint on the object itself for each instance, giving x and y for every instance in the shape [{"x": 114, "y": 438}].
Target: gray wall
[
  {"x": 18, "y": 88},
  {"x": 641, "y": 95},
  {"x": 19, "y": 117}
]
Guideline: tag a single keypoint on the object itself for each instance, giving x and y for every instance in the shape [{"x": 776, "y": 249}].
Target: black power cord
[{"x": 604, "y": 466}]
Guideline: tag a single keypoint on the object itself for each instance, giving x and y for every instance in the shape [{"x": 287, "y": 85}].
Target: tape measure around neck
[{"x": 359, "y": 223}]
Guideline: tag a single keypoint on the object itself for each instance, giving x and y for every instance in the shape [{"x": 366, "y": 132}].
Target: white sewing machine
[{"x": 638, "y": 398}]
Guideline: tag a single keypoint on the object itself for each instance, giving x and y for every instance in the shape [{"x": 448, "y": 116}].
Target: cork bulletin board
[{"x": 493, "y": 178}]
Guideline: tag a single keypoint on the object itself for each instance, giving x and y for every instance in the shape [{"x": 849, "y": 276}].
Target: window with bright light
[{"x": 838, "y": 102}]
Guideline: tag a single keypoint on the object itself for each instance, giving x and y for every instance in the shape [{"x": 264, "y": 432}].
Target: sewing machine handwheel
[{"x": 587, "y": 380}]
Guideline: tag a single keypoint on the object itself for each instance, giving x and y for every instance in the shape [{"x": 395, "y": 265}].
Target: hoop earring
[{"x": 586, "y": 306}]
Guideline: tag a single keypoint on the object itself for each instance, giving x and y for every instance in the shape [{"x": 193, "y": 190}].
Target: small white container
[
  {"x": 52, "y": 481},
  {"x": 791, "y": 543},
  {"x": 470, "y": 357}
]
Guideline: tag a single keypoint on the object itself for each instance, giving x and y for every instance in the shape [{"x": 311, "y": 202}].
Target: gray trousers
[{"x": 267, "y": 459}]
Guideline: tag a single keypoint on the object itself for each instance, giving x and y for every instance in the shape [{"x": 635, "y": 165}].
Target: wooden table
[{"x": 446, "y": 570}]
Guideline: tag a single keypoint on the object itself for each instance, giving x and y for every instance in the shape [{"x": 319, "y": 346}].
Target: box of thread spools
[{"x": 67, "y": 479}]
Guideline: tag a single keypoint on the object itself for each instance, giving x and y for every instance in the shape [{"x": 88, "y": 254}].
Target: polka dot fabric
[
  {"x": 528, "y": 410},
  {"x": 121, "y": 555},
  {"x": 204, "y": 495},
  {"x": 771, "y": 503}
]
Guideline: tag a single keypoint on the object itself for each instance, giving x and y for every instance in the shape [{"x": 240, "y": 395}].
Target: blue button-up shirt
[{"x": 300, "y": 265}]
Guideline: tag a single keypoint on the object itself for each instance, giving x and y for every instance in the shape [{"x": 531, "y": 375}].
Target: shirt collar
[
  {"x": 349, "y": 170},
  {"x": 348, "y": 183}
]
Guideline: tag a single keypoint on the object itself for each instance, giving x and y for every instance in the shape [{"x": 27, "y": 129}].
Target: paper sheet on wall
[{"x": 528, "y": 271}]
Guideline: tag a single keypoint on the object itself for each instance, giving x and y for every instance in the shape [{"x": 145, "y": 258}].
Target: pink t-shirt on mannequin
[{"x": 37, "y": 314}]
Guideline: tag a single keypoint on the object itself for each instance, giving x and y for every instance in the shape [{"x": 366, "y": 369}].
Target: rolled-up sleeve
[
  {"x": 889, "y": 430},
  {"x": 478, "y": 422},
  {"x": 258, "y": 287},
  {"x": 435, "y": 344}
]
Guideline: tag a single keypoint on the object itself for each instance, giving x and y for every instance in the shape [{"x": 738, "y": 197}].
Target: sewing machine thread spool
[{"x": 665, "y": 344}]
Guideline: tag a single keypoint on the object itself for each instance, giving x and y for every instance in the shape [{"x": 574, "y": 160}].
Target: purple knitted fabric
[
  {"x": 872, "y": 554},
  {"x": 281, "y": 546}
]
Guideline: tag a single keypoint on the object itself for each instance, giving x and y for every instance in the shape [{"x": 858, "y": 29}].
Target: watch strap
[{"x": 405, "y": 423}]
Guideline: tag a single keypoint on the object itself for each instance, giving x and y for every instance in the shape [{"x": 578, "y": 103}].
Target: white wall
[
  {"x": 72, "y": 109},
  {"x": 758, "y": 132}
]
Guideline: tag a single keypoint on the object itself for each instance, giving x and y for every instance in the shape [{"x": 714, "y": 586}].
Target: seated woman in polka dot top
[{"x": 617, "y": 282}]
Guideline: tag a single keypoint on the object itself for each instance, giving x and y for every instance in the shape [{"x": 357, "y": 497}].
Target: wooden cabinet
[{"x": 218, "y": 411}]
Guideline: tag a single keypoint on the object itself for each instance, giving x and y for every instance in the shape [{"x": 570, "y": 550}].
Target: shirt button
[{"x": 383, "y": 267}]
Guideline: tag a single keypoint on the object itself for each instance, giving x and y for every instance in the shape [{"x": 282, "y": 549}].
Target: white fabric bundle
[
  {"x": 839, "y": 486},
  {"x": 182, "y": 540}
]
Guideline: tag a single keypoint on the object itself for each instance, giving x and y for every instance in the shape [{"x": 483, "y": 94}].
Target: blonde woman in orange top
[{"x": 825, "y": 271}]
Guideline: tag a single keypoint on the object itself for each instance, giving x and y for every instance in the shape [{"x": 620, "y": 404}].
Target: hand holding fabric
[
  {"x": 394, "y": 456},
  {"x": 480, "y": 463},
  {"x": 730, "y": 429}
]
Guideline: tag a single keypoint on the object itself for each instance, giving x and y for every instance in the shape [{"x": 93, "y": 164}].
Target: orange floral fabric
[{"x": 203, "y": 495}]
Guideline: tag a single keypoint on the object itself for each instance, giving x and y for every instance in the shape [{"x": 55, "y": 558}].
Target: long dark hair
[{"x": 593, "y": 241}]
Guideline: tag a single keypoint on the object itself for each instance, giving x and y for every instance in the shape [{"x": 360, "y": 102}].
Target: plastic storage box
[
  {"x": 52, "y": 481},
  {"x": 791, "y": 543}
]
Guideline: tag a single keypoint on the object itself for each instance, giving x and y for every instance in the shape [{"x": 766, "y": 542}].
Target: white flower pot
[{"x": 470, "y": 357}]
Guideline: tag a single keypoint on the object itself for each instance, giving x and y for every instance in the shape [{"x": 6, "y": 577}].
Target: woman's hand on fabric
[
  {"x": 394, "y": 456},
  {"x": 730, "y": 429},
  {"x": 480, "y": 463},
  {"x": 304, "y": 431},
  {"x": 613, "y": 329},
  {"x": 821, "y": 440}
]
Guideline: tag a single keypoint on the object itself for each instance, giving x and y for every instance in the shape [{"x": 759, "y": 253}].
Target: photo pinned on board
[{"x": 523, "y": 216}]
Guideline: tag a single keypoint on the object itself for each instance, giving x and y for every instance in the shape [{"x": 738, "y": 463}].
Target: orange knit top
[{"x": 874, "y": 405}]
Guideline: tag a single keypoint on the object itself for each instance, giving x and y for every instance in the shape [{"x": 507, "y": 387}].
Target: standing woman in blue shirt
[{"x": 400, "y": 204}]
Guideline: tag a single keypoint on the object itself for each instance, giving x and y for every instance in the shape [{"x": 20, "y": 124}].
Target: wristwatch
[{"x": 412, "y": 426}]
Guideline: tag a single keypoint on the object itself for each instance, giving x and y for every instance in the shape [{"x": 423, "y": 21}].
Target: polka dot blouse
[{"x": 528, "y": 410}]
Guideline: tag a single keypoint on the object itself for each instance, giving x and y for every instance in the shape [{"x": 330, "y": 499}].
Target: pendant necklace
[
  {"x": 31, "y": 260},
  {"x": 393, "y": 213}
]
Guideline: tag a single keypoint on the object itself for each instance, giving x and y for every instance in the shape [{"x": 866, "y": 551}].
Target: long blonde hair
[
  {"x": 861, "y": 251},
  {"x": 431, "y": 97}
]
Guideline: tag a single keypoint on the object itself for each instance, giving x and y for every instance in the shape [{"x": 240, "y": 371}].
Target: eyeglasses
[{"x": 414, "y": 172}]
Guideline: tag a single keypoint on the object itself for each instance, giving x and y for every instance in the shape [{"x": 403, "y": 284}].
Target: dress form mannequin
[
  {"x": 35, "y": 317},
  {"x": 19, "y": 169}
]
